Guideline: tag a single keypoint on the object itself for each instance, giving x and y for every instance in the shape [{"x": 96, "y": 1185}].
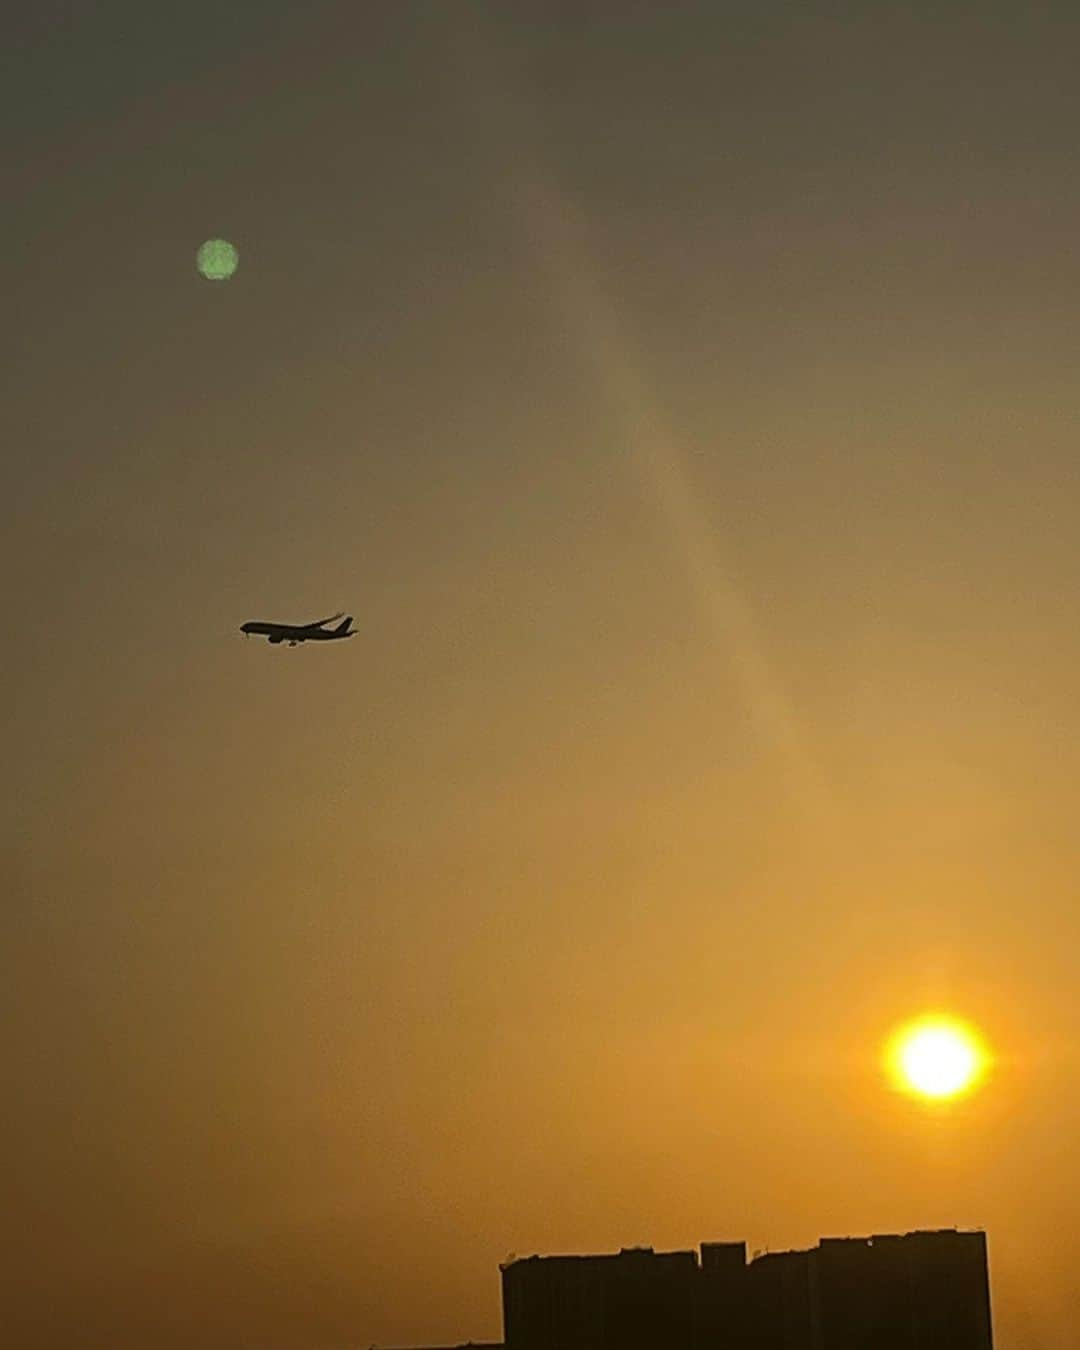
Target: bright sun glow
[{"x": 937, "y": 1057}]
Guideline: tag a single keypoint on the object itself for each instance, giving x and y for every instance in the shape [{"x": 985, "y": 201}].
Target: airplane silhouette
[{"x": 292, "y": 633}]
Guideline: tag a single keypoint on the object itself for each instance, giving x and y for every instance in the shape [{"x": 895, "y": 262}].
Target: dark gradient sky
[{"x": 683, "y": 398}]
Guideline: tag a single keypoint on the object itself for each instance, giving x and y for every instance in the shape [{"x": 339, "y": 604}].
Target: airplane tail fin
[{"x": 343, "y": 626}]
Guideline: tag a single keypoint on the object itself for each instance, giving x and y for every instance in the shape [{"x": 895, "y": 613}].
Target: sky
[{"x": 683, "y": 400}]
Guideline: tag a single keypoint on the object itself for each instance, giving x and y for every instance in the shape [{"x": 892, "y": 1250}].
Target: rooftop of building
[
  {"x": 465, "y": 1345},
  {"x": 830, "y": 1242}
]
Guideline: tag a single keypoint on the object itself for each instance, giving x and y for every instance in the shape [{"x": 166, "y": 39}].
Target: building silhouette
[{"x": 916, "y": 1291}]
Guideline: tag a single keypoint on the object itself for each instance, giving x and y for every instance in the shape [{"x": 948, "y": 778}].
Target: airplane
[{"x": 292, "y": 633}]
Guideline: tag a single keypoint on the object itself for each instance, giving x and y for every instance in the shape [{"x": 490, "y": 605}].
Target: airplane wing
[{"x": 319, "y": 622}]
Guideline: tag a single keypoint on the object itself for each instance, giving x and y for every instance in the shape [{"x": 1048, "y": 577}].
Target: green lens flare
[{"x": 217, "y": 259}]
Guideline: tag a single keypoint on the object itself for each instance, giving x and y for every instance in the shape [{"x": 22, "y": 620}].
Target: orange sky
[{"x": 683, "y": 400}]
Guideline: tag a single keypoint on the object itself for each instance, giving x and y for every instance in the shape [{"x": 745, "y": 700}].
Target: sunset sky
[{"x": 683, "y": 399}]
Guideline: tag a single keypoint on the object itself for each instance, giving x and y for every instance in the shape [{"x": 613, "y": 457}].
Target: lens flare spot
[
  {"x": 217, "y": 259},
  {"x": 937, "y": 1057}
]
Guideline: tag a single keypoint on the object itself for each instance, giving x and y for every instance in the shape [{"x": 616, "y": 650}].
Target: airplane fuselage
[{"x": 292, "y": 633}]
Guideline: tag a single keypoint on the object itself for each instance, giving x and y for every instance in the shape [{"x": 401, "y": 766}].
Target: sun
[{"x": 937, "y": 1057}]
